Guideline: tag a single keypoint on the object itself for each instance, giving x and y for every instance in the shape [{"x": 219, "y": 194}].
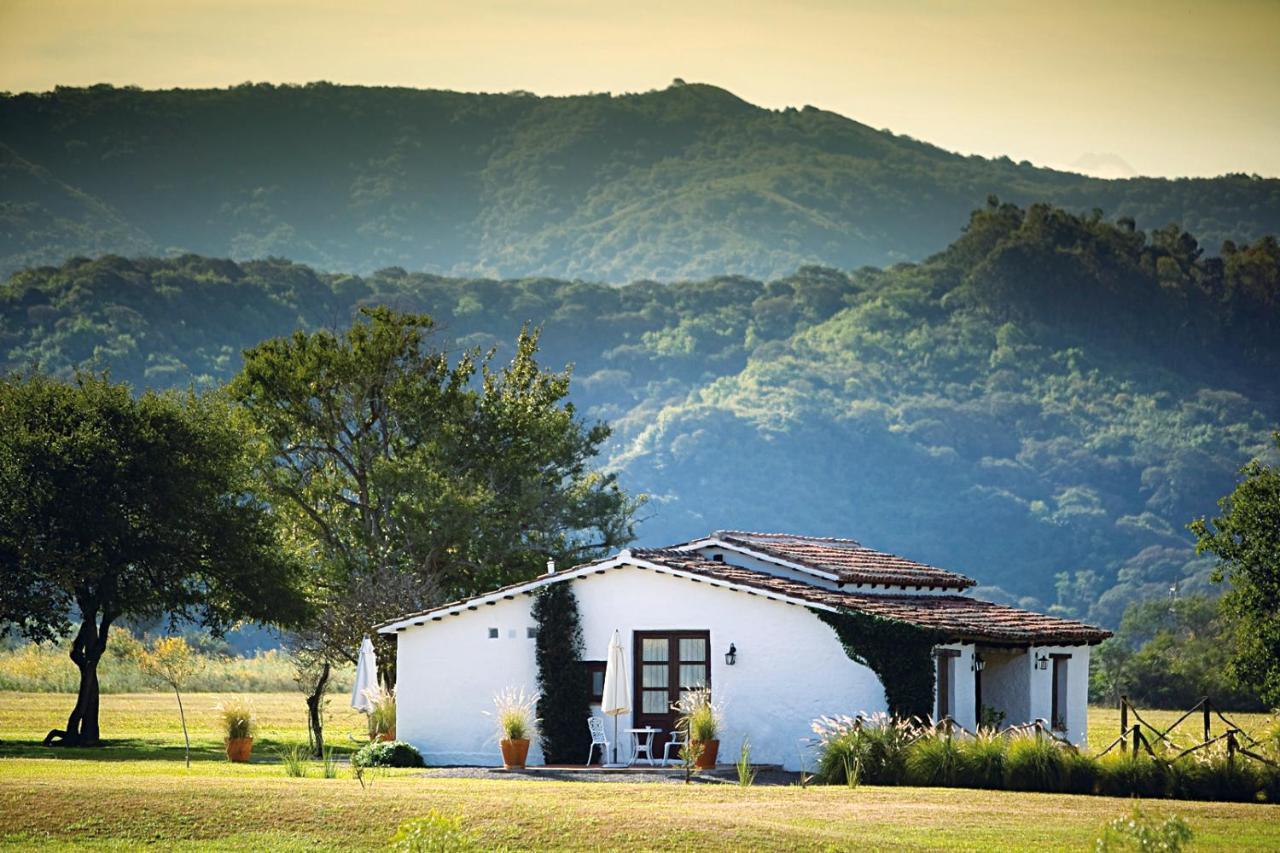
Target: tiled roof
[
  {"x": 961, "y": 617},
  {"x": 850, "y": 561}
]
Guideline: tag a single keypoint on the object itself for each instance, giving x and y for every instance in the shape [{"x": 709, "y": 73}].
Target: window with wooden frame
[
  {"x": 946, "y": 681},
  {"x": 595, "y": 679},
  {"x": 1058, "y": 711}
]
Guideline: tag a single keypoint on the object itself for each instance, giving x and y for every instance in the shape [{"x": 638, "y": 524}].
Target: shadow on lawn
[{"x": 265, "y": 750}]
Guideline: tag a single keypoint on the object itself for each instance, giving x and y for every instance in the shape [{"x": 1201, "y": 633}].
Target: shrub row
[{"x": 885, "y": 752}]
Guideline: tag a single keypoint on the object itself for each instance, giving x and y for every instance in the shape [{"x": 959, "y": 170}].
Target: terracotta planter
[
  {"x": 514, "y": 753},
  {"x": 238, "y": 748},
  {"x": 707, "y": 756}
]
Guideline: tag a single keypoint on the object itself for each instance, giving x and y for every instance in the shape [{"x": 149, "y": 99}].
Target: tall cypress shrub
[{"x": 565, "y": 695}]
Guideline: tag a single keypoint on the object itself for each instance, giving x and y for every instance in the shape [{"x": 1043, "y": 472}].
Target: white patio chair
[
  {"x": 598, "y": 738},
  {"x": 677, "y": 741}
]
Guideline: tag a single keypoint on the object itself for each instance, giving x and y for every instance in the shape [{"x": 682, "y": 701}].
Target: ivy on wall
[
  {"x": 564, "y": 700},
  {"x": 900, "y": 653}
]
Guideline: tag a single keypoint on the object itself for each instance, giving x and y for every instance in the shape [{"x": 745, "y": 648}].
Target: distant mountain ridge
[{"x": 685, "y": 182}]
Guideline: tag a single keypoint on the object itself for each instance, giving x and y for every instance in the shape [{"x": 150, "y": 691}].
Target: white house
[{"x": 681, "y": 609}]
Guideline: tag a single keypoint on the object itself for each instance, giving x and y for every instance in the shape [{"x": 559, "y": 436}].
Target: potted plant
[
  {"x": 516, "y": 725},
  {"x": 382, "y": 714},
  {"x": 700, "y": 721},
  {"x": 239, "y": 724}
]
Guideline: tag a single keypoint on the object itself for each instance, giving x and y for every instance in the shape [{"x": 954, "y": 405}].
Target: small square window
[
  {"x": 719, "y": 558},
  {"x": 595, "y": 679},
  {"x": 493, "y": 633},
  {"x": 511, "y": 633},
  {"x": 532, "y": 633}
]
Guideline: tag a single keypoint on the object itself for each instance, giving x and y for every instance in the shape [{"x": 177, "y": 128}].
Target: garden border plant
[{"x": 894, "y": 751}]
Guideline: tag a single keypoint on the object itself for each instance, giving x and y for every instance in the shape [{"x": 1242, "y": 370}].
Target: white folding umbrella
[
  {"x": 366, "y": 677},
  {"x": 614, "y": 703}
]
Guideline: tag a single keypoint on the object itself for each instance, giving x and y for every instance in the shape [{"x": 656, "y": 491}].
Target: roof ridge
[{"x": 797, "y": 537}]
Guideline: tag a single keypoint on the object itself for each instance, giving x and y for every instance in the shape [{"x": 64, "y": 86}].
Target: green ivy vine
[{"x": 900, "y": 653}]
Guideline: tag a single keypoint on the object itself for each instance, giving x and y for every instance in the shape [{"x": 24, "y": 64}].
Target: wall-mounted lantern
[
  {"x": 731, "y": 656},
  {"x": 977, "y": 664},
  {"x": 1042, "y": 661}
]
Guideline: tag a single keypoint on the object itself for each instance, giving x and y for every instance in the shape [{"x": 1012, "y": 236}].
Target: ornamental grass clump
[
  {"x": 936, "y": 757},
  {"x": 876, "y": 745},
  {"x": 1131, "y": 774},
  {"x": 1212, "y": 775},
  {"x": 238, "y": 720},
  {"x": 982, "y": 758},
  {"x": 514, "y": 714},
  {"x": 1035, "y": 762},
  {"x": 382, "y": 713},
  {"x": 699, "y": 716}
]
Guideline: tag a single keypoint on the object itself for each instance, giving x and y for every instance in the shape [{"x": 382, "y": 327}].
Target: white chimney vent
[{"x": 551, "y": 567}]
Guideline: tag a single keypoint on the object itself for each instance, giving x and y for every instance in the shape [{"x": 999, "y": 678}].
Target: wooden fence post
[
  {"x": 1206, "y": 717},
  {"x": 1231, "y": 746},
  {"x": 1124, "y": 722}
]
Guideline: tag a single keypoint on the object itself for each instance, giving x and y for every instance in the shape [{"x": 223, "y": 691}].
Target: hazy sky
[{"x": 1171, "y": 88}]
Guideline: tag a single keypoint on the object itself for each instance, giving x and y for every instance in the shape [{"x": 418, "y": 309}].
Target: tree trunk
[
  {"x": 182, "y": 715},
  {"x": 315, "y": 711},
  {"x": 86, "y": 650}
]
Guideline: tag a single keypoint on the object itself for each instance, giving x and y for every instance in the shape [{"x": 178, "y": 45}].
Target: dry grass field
[{"x": 137, "y": 792}]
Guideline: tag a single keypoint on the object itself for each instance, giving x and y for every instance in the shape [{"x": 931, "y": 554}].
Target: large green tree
[
  {"x": 1246, "y": 539},
  {"x": 406, "y": 475},
  {"x": 120, "y": 506}
]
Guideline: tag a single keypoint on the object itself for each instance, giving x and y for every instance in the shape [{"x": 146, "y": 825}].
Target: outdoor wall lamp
[
  {"x": 731, "y": 656},
  {"x": 978, "y": 664},
  {"x": 1042, "y": 661}
]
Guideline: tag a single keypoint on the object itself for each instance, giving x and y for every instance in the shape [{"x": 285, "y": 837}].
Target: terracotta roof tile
[
  {"x": 850, "y": 561},
  {"x": 961, "y": 617}
]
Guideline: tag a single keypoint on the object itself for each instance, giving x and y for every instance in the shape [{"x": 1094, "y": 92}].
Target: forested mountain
[
  {"x": 1044, "y": 404},
  {"x": 685, "y": 182}
]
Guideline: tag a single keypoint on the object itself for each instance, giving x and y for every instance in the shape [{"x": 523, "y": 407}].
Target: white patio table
[{"x": 645, "y": 745}]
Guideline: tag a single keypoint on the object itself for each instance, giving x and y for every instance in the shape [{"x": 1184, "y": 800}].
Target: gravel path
[{"x": 765, "y": 775}]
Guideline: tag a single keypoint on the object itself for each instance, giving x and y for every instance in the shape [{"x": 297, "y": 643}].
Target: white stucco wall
[
  {"x": 1077, "y": 702},
  {"x": 790, "y": 666},
  {"x": 1006, "y": 683}
]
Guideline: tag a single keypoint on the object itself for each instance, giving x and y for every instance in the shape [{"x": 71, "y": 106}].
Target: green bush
[
  {"x": 983, "y": 759},
  {"x": 1035, "y": 763},
  {"x": 937, "y": 758},
  {"x": 388, "y": 753},
  {"x": 1130, "y": 774}
]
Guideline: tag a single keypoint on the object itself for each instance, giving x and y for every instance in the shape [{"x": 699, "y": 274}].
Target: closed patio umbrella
[
  {"x": 366, "y": 677},
  {"x": 614, "y": 702}
]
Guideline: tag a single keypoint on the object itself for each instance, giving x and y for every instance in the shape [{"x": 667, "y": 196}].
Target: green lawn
[{"x": 145, "y": 795}]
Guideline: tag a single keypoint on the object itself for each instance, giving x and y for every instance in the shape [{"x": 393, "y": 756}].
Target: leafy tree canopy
[
  {"x": 407, "y": 476},
  {"x": 114, "y": 506},
  {"x": 1246, "y": 540}
]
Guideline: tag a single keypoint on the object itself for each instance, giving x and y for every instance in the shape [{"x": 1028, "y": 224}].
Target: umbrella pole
[{"x": 615, "y": 738}]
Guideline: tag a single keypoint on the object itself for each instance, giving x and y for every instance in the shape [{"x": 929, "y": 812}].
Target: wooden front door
[{"x": 667, "y": 662}]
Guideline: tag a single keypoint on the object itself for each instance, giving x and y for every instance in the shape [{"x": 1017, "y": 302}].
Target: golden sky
[{"x": 1170, "y": 88}]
